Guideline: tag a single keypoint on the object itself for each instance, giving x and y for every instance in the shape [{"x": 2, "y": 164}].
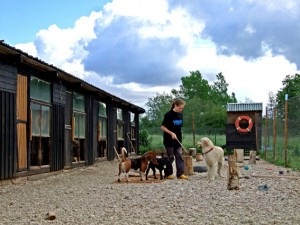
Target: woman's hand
[{"x": 174, "y": 136}]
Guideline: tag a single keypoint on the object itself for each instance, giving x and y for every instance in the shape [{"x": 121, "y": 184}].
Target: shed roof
[
  {"x": 17, "y": 56},
  {"x": 238, "y": 107}
]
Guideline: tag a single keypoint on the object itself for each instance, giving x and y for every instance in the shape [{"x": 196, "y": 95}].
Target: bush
[{"x": 145, "y": 140}]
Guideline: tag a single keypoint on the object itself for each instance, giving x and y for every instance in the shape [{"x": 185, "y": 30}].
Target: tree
[
  {"x": 291, "y": 86},
  {"x": 220, "y": 89},
  {"x": 156, "y": 108},
  {"x": 272, "y": 100},
  {"x": 194, "y": 86}
]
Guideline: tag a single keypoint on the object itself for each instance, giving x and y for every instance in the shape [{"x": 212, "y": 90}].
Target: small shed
[{"x": 244, "y": 126}]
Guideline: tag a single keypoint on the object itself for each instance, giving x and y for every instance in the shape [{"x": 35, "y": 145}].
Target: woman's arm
[{"x": 165, "y": 129}]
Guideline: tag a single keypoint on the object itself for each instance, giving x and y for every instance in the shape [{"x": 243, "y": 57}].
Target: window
[
  {"x": 102, "y": 109},
  {"x": 40, "y": 90},
  {"x": 40, "y": 109},
  {"x": 40, "y": 95},
  {"x": 119, "y": 114},
  {"x": 40, "y": 120},
  {"x": 132, "y": 118},
  {"x": 120, "y": 131},
  {"x": 102, "y": 121},
  {"x": 79, "y": 116}
]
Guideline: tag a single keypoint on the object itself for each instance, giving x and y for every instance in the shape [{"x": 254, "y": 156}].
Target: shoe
[
  {"x": 170, "y": 177},
  {"x": 183, "y": 177}
]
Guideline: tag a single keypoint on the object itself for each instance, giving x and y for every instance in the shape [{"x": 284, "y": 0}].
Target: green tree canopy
[
  {"x": 206, "y": 104},
  {"x": 291, "y": 86}
]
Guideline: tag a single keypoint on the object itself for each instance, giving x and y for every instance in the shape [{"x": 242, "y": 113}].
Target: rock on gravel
[{"x": 90, "y": 195}]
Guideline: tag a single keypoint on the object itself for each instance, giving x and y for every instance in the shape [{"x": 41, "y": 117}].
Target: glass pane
[
  {"x": 119, "y": 114},
  {"x": 78, "y": 102},
  {"x": 35, "y": 120},
  {"x": 102, "y": 109},
  {"x": 40, "y": 90},
  {"x": 120, "y": 131},
  {"x": 131, "y": 117},
  {"x": 104, "y": 127},
  {"x": 45, "y": 121},
  {"x": 82, "y": 126},
  {"x": 79, "y": 125},
  {"x": 76, "y": 124}
]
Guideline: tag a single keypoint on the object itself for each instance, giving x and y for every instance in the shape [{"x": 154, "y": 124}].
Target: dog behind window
[{"x": 160, "y": 166}]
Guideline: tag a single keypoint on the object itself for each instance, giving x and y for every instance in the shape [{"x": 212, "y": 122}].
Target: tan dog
[
  {"x": 214, "y": 157},
  {"x": 140, "y": 164}
]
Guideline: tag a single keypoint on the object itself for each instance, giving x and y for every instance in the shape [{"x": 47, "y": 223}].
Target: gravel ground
[{"x": 90, "y": 195}]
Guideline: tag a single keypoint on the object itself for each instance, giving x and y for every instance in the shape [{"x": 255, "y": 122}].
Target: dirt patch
[{"x": 137, "y": 179}]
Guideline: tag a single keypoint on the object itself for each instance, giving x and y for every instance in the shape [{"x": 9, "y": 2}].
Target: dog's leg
[
  {"x": 147, "y": 171},
  {"x": 154, "y": 172},
  {"x": 220, "y": 165},
  {"x": 119, "y": 176},
  {"x": 160, "y": 173},
  {"x": 211, "y": 171},
  {"x": 142, "y": 174},
  {"x": 127, "y": 177}
]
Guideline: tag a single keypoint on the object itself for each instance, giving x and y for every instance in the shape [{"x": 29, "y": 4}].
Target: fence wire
[{"x": 282, "y": 132}]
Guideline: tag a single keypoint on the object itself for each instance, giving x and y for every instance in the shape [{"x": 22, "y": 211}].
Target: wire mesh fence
[
  {"x": 281, "y": 139},
  {"x": 278, "y": 136}
]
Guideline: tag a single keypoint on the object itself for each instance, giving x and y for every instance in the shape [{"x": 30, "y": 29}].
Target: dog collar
[{"x": 209, "y": 150}]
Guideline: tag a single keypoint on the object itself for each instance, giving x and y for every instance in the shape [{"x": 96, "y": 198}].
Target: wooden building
[
  {"x": 244, "y": 126},
  {"x": 52, "y": 120}
]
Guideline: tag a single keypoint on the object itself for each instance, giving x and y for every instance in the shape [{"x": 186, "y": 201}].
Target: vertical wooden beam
[
  {"x": 274, "y": 134},
  {"x": 286, "y": 130},
  {"x": 266, "y": 125}
]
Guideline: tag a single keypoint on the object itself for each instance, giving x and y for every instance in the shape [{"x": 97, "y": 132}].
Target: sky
[{"x": 135, "y": 49}]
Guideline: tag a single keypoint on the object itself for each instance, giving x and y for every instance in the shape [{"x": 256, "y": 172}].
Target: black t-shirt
[{"x": 173, "y": 121}]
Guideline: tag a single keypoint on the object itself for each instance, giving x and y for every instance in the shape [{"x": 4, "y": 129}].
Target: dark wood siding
[
  {"x": 112, "y": 130},
  {"x": 91, "y": 129},
  {"x": 59, "y": 93},
  {"x": 68, "y": 130},
  {"x": 8, "y": 147},
  {"x": 248, "y": 141},
  {"x": 58, "y": 140},
  {"x": 8, "y": 78}
]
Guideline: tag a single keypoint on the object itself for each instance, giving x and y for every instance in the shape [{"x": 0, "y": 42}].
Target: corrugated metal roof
[
  {"x": 238, "y": 107},
  {"x": 24, "y": 57}
]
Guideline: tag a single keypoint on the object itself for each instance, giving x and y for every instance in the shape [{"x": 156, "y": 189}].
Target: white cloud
[{"x": 253, "y": 79}]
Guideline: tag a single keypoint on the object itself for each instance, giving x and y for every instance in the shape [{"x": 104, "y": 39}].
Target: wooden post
[
  {"x": 233, "y": 174},
  {"x": 193, "y": 128},
  {"x": 188, "y": 165},
  {"x": 266, "y": 125},
  {"x": 252, "y": 157},
  {"x": 274, "y": 134},
  {"x": 239, "y": 155},
  {"x": 256, "y": 135},
  {"x": 286, "y": 130}
]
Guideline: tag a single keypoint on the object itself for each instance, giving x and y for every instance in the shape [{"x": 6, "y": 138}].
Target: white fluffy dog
[{"x": 214, "y": 157}]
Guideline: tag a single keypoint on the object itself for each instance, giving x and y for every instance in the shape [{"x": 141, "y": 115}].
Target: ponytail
[{"x": 177, "y": 102}]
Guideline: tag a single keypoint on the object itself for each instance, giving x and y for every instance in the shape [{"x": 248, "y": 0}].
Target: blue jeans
[{"x": 174, "y": 153}]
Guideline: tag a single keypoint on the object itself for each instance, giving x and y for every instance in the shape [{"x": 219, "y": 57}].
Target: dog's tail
[
  {"x": 124, "y": 152},
  {"x": 117, "y": 154}
]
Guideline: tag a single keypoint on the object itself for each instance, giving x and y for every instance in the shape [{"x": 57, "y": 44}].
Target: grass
[{"x": 189, "y": 141}]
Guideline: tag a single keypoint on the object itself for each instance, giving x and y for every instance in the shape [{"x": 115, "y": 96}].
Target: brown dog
[{"x": 140, "y": 164}]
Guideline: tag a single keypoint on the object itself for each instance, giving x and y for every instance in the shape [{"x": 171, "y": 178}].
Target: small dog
[
  {"x": 140, "y": 164},
  {"x": 160, "y": 166},
  {"x": 214, "y": 157}
]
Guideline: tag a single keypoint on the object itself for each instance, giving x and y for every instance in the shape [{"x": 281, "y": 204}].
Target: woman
[{"x": 171, "y": 125}]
